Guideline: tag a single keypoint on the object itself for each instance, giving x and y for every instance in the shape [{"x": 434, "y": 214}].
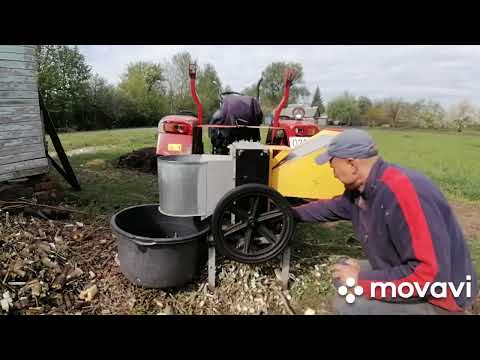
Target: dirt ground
[
  {"x": 468, "y": 214},
  {"x": 67, "y": 267}
]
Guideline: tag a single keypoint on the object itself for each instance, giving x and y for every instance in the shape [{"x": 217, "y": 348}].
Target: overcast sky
[{"x": 446, "y": 74}]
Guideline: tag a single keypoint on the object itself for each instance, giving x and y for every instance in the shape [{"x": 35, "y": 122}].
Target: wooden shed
[{"x": 22, "y": 134}]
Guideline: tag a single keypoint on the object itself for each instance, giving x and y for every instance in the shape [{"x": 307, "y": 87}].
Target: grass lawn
[{"x": 449, "y": 159}]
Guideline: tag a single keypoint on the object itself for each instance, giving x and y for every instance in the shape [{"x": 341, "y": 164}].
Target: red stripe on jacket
[{"x": 422, "y": 243}]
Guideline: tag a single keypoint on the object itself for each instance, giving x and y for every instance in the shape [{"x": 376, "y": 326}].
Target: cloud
[{"x": 442, "y": 73}]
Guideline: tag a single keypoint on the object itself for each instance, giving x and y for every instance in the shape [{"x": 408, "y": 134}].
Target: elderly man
[{"x": 418, "y": 260}]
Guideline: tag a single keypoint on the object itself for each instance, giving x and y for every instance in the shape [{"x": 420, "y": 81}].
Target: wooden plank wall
[{"x": 22, "y": 149}]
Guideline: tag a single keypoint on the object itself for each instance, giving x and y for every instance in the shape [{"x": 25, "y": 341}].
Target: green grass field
[{"x": 449, "y": 159}]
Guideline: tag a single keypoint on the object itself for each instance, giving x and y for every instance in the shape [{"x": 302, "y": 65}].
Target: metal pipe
[
  {"x": 290, "y": 75},
  {"x": 258, "y": 88}
]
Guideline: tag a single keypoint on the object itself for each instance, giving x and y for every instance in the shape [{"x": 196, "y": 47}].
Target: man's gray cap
[{"x": 351, "y": 143}]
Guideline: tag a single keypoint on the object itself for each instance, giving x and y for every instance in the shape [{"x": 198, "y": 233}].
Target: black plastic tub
[{"x": 159, "y": 251}]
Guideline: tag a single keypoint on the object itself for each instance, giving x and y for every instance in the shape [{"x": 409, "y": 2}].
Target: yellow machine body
[{"x": 294, "y": 172}]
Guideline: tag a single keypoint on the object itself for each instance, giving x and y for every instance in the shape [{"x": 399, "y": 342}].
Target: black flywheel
[{"x": 252, "y": 224}]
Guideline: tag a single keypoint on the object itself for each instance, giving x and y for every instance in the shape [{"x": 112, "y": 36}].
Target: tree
[
  {"x": 152, "y": 75},
  {"x": 271, "y": 90},
  {"x": 375, "y": 115},
  {"x": 364, "y": 104},
  {"x": 344, "y": 109},
  {"x": 142, "y": 94},
  {"x": 428, "y": 114},
  {"x": 392, "y": 108},
  {"x": 177, "y": 82},
  {"x": 209, "y": 89},
  {"x": 303, "y": 95},
  {"x": 250, "y": 90},
  {"x": 409, "y": 115},
  {"x": 318, "y": 101},
  {"x": 63, "y": 76},
  {"x": 462, "y": 114},
  {"x": 100, "y": 105}
]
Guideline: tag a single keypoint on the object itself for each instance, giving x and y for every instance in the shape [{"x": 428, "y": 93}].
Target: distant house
[
  {"x": 322, "y": 120},
  {"x": 22, "y": 145},
  {"x": 312, "y": 113}
]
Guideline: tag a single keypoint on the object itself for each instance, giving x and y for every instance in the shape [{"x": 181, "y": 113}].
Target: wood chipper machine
[
  {"x": 243, "y": 195},
  {"x": 238, "y": 201}
]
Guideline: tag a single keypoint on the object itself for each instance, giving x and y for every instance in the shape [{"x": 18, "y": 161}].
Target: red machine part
[
  {"x": 176, "y": 132},
  {"x": 293, "y": 131},
  {"x": 192, "y": 72},
  {"x": 175, "y": 135},
  {"x": 298, "y": 128},
  {"x": 290, "y": 76},
  {"x": 291, "y": 127}
]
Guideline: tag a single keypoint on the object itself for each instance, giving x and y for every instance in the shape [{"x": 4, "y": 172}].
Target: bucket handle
[{"x": 141, "y": 243}]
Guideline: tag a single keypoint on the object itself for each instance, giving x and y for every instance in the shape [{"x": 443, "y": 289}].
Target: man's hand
[{"x": 341, "y": 272}]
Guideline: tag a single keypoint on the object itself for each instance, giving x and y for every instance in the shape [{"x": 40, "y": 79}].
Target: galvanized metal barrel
[{"x": 192, "y": 185}]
